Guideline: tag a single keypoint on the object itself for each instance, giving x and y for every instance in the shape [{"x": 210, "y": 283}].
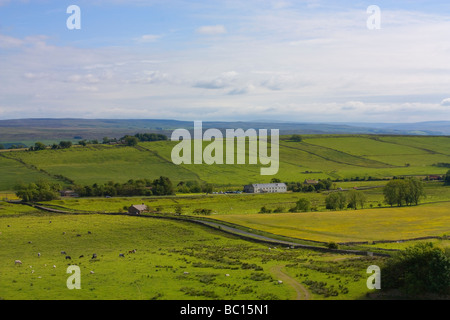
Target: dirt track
[{"x": 302, "y": 293}]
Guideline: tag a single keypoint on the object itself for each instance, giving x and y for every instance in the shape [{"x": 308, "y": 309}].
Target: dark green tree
[
  {"x": 335, "y": 201},
  {"x": 296, "y": 137},
  {"x": 355, "y": 199},
  {"x": 420, "y": 269},
  {"x": 447, "y": 178}
]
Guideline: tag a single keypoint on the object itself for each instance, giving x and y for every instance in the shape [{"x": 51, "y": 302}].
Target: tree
[
  {"x": 131, "y": 141},
  {"x": 265, "y": 210},
  {"x": 422, "y": 268},
  {"x": 37, "y": 146},
  {"x": 335, "y": 201},
  {"x": 302, "y": 205},
  {"x": 65, "y": 144},
  {"x": 355, "y": 198},
  {"x": 296, "y": 137},
  {"x": 447, "y": 178},
  {"x": 2, "y": 146},
  {"x": 40, "y": 191}
]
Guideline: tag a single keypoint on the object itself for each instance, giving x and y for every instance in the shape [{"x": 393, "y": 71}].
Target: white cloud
[
  {"x": 212, "y": 30},
  {"x": 445, "y": 102},
  {"x": 226, "y": 79},
  {"x": 148, "y": 38}
]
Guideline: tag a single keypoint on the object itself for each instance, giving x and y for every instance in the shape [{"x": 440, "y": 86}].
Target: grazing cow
[
  {"x": 94, "y": 256},
  {"x": 89, "y": 232},
  {"x": 82, "y": 256},
  {"x": 68, "y": 257},
  {"x": 63, "y": 252},
  {"x": 132, "y": 251},
  {"x": 17, "y": 262},
  {"x": 39, "y": 254},
  {"x": 121, "y": 255}
]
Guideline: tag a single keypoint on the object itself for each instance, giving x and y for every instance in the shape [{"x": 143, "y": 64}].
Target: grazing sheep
[
  {"x": 280, "y": 282},
  {"x": 18, "y": 262},
  {"x": 54, "y": 266},
  {"x": 92, "y": 272},
  {"x": 63, "y": 252},
  {"x": 39, "y": 254},
  {"x": 94, "y": 256}
]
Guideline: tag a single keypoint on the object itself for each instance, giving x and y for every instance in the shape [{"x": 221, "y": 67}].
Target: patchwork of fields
[
  {"x": 316, "y": 157},
  {"x": 182, "y": 260}
]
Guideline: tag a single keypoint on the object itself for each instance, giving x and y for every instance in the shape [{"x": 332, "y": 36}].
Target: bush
[
  {"x": 419, "y": 269},
  {"x": 332, "y": 245},
  {"x": 265, "y": 210}
]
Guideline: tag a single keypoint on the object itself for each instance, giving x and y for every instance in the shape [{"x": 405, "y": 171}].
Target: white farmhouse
[{"x": 265, "y": 188}]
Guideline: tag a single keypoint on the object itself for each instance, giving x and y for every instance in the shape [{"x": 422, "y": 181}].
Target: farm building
[
  {"x": 137, "y": 209},
  {"x": 265, "y": 188}
]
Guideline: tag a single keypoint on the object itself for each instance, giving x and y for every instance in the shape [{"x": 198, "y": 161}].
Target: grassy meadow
[{"x": 173, "y": 260}]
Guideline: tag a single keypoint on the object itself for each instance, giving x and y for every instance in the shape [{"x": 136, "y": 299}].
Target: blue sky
[{"x": 307, "y": 60}]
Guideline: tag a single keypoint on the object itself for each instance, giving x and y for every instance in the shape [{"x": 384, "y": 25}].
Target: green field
[
  {"x": 174, "y": 260},
  {"x": 353, "y": 225},
  {"x": 316, "y": 157}
]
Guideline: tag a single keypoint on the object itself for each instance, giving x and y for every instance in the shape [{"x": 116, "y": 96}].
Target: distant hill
[
  {"x": 28, "y": 131},
  {"x": 315, "y": 157}
]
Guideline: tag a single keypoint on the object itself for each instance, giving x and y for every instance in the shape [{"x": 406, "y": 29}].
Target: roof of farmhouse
[
  {"x": 140, "y": 207},
  {"x": 268, "y": 185}
]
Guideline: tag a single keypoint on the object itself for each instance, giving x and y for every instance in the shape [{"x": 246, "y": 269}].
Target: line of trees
[
  {"x": 140, "y": 187},
  {"x": 39, "y": 191},
  {"x": 142, "y": 137},
  {"x": 324, "y": 184},
  {"x": 403, "y": 192},
  {"x": 193, "y": 186},
  {"x": 340, "y": 201}
]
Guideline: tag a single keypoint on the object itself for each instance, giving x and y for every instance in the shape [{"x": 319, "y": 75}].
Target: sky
[{"x": 301, "y": 61}]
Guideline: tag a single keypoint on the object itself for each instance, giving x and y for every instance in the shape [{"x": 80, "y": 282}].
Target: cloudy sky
[{"x": 303, "y": 61}]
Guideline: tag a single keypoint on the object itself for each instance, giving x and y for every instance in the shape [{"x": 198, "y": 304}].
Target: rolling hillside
[{"x": 316, "y": 157}]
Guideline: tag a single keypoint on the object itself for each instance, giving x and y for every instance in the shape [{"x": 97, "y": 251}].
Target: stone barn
[{"x": 137, "y": 209}]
